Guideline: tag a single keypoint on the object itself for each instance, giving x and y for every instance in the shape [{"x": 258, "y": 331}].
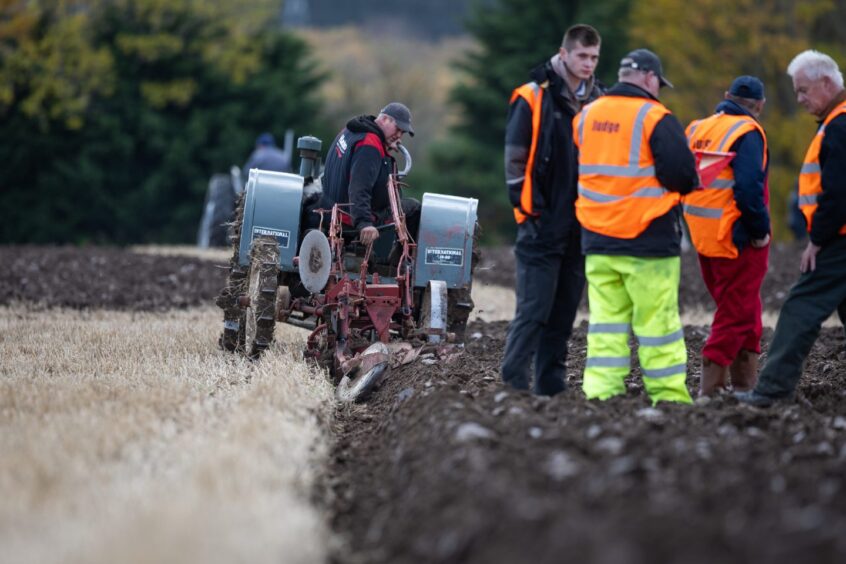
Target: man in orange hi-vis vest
[
  {"x": 540, "y": 173},
  {"x": 730, "y": 227},
  {"x": 634, "y": 165},
  {"x": 821, "y": 288}
]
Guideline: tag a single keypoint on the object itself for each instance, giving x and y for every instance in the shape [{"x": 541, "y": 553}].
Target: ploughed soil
[
  {"x": 442, "y": 464},
  {"x": 106, "y": 278}
]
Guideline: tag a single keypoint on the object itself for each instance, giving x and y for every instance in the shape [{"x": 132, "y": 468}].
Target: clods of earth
[{"x": 442, "y": 464}]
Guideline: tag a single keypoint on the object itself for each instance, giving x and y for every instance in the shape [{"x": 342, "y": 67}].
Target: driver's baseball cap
[
  {"x": 401, "y": 115},
  {"x": 645, "y": 60}
]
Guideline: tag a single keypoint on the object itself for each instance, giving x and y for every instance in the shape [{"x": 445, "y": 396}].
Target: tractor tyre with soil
[
  {"x": 263, "y": 279},
  {"x": 232, "y": 337}
]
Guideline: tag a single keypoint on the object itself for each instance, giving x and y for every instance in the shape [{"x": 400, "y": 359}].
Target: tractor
[{"x": 297, "y": 263}]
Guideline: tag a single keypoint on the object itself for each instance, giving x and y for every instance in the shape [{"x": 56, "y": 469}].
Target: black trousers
[
  {"x": 550, "y": 282},
  {"x": 812, "y": 300}
]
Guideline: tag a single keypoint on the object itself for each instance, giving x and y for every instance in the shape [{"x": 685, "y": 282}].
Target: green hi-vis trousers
[{"x": 640, "y": 295}]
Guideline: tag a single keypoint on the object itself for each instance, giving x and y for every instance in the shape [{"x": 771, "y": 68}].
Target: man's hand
[
  {"x": 809, "y": 258},
  {"x": 759, "y": 243},
  {"x": 368, "y": 235}
]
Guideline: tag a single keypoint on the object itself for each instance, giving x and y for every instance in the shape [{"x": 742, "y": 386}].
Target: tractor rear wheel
[
  {"x": 232, "y": 337},
  {"x": 460, "y": 300},
  {"x": 263, "y": 280}
]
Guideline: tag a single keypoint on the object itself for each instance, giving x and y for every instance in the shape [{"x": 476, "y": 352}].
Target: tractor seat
[{"x": 381, "y": 247}]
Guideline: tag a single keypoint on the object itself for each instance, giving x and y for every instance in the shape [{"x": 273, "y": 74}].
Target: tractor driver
[{"x": 357, "y": 168}]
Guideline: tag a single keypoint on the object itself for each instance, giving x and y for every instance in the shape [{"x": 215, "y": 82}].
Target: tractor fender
[
  {"x": 445, "y": 241},
  {"x": 272, "y": 208}
]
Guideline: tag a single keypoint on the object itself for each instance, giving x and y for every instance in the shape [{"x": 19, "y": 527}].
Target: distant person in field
[
  {"x": 267, "y": 156},
  {"x": 634, "y": 166},
  {"x": 821, "y": 288},
  {"x": 540, "y": 174},
  {"x": 729, "y": 224}
]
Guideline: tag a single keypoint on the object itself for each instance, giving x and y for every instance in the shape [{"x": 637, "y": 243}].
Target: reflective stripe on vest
[
  {"x": 810, "y": 177},
  {"x": 532, "y": 93},
  {"x": 711, "y": 213},
  {"x": 619, "y": 195}
]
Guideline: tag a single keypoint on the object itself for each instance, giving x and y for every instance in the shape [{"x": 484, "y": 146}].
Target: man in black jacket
[
  {"x": 821, "y": 289},
  {"x": 358, "y": 165},
  {"x": 541, "y": 169}
]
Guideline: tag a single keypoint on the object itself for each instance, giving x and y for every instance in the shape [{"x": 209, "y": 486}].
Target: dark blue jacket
[{"x": 749, "y": 181}]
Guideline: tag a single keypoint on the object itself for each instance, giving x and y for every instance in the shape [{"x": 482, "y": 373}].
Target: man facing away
[
  {"x": 540, "y": 172},
  {"x": 730, "y": 227},
  {"x": 634, "y": 164},
  {"x": 267, "y": 156},
  {"x": 821, "y": 288},
  {"x": 357, "y": 168}
]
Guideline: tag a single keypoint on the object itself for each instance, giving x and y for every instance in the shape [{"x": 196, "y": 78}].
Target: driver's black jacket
[{"x": 357, "y": 170}]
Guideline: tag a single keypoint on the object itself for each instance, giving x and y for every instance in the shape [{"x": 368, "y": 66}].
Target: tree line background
[{"x": 115, "y": 113}]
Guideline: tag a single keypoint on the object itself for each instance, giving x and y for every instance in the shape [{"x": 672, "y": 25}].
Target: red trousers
[{"x": 735, "y": 285}]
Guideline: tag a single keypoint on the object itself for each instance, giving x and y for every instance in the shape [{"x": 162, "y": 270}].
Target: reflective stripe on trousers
[{"x": 639, "y": 295}]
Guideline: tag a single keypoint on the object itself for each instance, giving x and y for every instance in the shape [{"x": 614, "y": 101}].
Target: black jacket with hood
[
  {"x": 357, "y": 169},
  {"x": 555, "y": 171}
]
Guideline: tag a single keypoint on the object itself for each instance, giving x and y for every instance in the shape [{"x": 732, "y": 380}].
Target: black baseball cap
[
  {"x": 747, "y": 87},
  {"x": 401, "y": 115},
  {"x": 645, "y": 60}
]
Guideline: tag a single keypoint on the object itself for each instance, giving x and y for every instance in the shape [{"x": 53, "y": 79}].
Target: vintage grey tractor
[{"x": 355, "y": 300}]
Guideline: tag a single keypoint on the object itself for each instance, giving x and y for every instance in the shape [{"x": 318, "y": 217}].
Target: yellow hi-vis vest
[
  {"x": 810, "y": 177},
  {"x": 712, "y": 212},
  {"x": 619, "y": 195},
  {"x": 533, "y": 93}
]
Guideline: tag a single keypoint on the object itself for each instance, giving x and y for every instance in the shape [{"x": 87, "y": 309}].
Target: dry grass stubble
[{"x": 131, "y": 438}]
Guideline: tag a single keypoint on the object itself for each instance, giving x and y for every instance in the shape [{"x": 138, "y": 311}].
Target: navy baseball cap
[
  {"x": 401, "y": 115},
  {"x": 747, "y": 87},
  {"x": 645, "y": 60},
  {"x": 265, "y": 139}
]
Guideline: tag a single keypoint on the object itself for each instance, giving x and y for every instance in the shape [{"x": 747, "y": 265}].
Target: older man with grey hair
[{"x": 821, "y": 288}]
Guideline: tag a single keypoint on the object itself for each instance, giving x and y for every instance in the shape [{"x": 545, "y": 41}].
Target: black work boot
[{"x": 756, "y": 399}]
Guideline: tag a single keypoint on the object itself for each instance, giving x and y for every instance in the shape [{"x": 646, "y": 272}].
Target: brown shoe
[
  {"x": 714, "y": 377},
  {"x": 744, "y": 371}
]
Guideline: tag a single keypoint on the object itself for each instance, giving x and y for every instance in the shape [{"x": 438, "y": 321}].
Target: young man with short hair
[{"x": 540, "y": 172}]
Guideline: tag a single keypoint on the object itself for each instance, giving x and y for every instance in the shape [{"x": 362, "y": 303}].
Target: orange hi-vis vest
[
  {"x": 712, "y": 212},
  {"x": 810, "y": 177},
  {"x": 619, "y": 195},
  {"x": 533, "y": 93}
]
